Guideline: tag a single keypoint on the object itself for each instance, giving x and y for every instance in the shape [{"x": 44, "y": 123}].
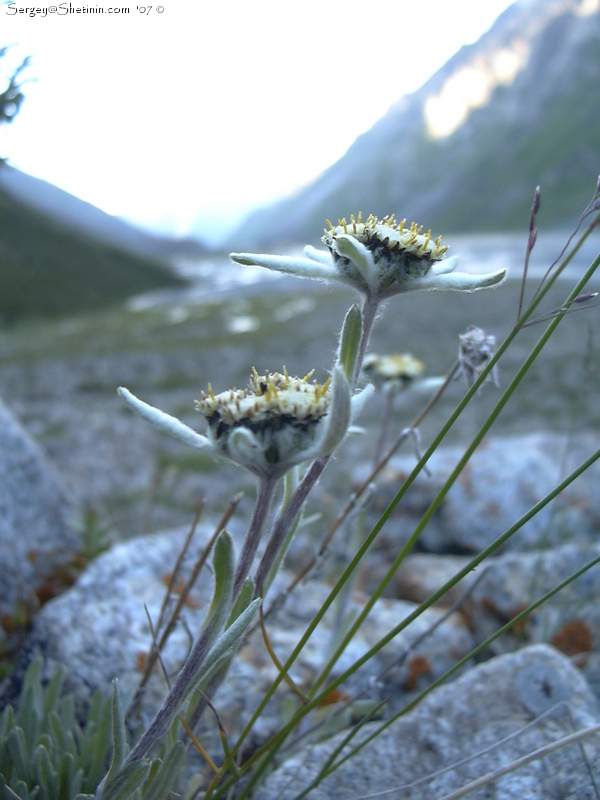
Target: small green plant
[{"x": 45, "y": 754}]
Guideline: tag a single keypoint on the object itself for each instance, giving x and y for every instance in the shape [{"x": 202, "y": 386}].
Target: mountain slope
[
  {"x": 48, "y": 270},
  {"x": 464, "y": 153},
  {"x": 84, "y": 218}
]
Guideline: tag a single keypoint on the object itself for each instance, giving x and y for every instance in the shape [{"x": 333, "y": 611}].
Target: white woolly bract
[{"x": 379, "y": 258}]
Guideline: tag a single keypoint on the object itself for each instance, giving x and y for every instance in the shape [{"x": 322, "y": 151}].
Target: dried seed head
[{"x": 475, "y": 349}]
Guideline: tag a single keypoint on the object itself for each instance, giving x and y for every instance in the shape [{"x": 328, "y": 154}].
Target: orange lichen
[
  {"x": 178, "y": 587},
  {"x": 335, "y": 696},
  {"x": 574, "y": 637},
  {"x": 418, "y": 667}
]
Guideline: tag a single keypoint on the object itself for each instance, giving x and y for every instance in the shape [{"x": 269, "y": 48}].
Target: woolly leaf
[
  {"x": 118, "y": 733},
  {"x": 242, "y": 601},
  {"x": 66, "y": 766},
  {"x": 127, "y": 781},
  {"x": 230, "y": 638},
  {"x": 52, "y": 693},
  {"x": 47, "y": 777},
  {"x": 17, "y": 751},
  {"x": 76, "y": 783},
  {"x": 350, "y": 341},
  {"x": 95, "y": 749},
  {"x": 157, "y": 786},
  {"x": 351, "y": 248},
  {"x": 57, "y": 730},
  {"x": 224, "y": 570}
]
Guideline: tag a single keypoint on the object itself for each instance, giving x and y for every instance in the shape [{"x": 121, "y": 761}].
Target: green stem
[
  {"x": 449, "y": 483},
  {"x": 475, "y": 652},
  {"x": 282, "y": 734},
  {"x": 410, "y": 480}
]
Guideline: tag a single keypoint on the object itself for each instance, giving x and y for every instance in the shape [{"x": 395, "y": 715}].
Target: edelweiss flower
[
  {"x": 272, "y": 425},
  {"x": 379, "y": 258},
  {"x": 392, "y": 372}
]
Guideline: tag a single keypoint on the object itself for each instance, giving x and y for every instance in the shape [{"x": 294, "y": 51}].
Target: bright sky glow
[{"x": 190, "y": 117}]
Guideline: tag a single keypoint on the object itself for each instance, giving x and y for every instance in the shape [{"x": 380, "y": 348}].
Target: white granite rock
[
  {"x": 98, "y": 630},
  {"x": 503, "y": 586},
  {"x": 35, "y": 538},
  {"x": 504, "y": 478},
  {"x": 456, "y": 735}
]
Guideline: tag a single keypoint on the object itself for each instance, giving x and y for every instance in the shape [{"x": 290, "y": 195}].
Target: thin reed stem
[
  {"x": 449, "y": 483},
  {"x": 281, "y": 736},
  {"x": 363, "y": 549}
]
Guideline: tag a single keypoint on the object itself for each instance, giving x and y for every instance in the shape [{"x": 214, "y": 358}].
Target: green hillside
[{"x": 48, "y": 271}]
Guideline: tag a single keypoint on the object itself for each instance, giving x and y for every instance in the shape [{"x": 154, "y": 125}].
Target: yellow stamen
[
  {"x": 210, "y": 391},
  {"x": 325, "y": 387}
]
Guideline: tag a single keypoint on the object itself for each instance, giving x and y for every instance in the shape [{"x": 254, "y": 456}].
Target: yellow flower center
[
  {"x": 388, "y": 233},
  {"x": 268, "y": 396}
]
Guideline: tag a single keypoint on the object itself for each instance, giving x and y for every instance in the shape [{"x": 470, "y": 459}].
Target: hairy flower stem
[
  {"x": 181, "y": 688},
  {"x": 312, "y": 475},
  {"x": 175, "y": 698},
  {"x": 285, "y": 521},
  {"x": 266, "y": 489},
  {"x": 369, "y": 312}
]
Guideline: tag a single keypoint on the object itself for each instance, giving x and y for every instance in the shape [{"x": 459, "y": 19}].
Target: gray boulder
[
  {"x": 504, "y": 478},
  {"x": 495, "y": 713},
  {"x": 36, "y": 542},
  {"x": 99, "y": 630},
  {"x": 503, "y": 586}
]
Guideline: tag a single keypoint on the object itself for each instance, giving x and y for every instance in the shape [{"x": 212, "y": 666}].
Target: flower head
[
  {"x": 475, "y": 350},
  {"x": 379, "y": 258},
  {"x": 272, "y": 425},
  {"x": 396, "y": 371}
]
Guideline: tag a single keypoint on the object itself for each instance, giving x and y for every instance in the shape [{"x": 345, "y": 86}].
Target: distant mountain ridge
[
  {"x": 86, "y": 219},
  {"x": 464, "y": 153},
  {"x": 60, "y": 256}
]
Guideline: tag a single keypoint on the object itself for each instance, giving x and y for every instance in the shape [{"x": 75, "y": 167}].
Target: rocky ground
[
  {"x": 117, "y": 479},
  {"x": 60, "y": 380}
]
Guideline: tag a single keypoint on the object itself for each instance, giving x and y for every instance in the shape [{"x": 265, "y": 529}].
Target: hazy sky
[{"x": 192, "y": 112}]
